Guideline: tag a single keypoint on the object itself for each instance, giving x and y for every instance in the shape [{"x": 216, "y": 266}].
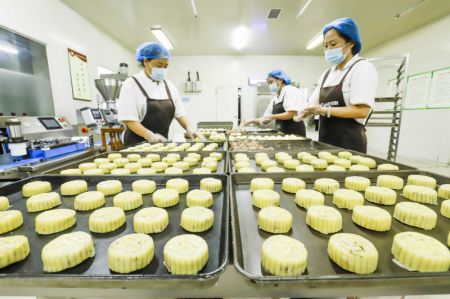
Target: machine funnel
[{"x": 109, "y": 88}]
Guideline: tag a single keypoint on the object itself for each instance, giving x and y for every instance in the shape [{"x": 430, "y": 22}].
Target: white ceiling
[{"x": 129, "y": 22}]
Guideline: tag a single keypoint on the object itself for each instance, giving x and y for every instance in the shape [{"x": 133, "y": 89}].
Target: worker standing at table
[{"x": 346, "y": 92}]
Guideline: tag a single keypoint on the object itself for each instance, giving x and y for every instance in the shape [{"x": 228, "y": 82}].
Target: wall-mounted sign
[
  {"x": 79, "y": 76},
  {"x": 440, "y": 89}
]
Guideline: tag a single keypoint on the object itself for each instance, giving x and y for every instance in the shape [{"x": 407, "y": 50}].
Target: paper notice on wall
[
  {"x": 440, "y": 89},
  {"x": 417, "y": 90},
  {"x": 79, "y": 76}
]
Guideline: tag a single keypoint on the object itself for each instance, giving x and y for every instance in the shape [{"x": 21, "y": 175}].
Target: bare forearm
[
  {"x": 136, "y": 127},
  {"x": 358, "y": 111},
  {"x": 283, "y": 116},
  {"x": 183, "y": 121}
]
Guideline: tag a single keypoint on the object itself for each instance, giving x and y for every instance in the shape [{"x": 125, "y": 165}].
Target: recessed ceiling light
[
  {"x": 303, "y": 8},
  {"x": 162, "y": 37},
  {"x": 240, "y": 37},
  {"x": 194, "y": 8}
]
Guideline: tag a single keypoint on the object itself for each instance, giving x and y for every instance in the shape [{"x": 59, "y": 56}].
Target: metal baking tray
[
  {"x": 222, "y": 166},
  {"x": 97, "y": 267},
  {"x": 251, "y": 155},
  {"x": 248, "y": 239},
  {"x": 222, "y": 145},
  {"x": 286, "y": 145},
  {"x": 227, "y": 125}
]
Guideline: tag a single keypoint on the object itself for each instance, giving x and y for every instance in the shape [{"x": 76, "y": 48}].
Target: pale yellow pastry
[
  {"x": 345, "y": 155},
  {"x": 415, "y": 214},
  {"x": 197, "y": 219},
  {"x": 182, "y": 165},
  {"x": 4, "y": 203},
  {"x": 150, "y": 220},
  {"x": 274, "y": 220},
  {"x": 347, "y": 199},
  {"x": 353, "y": 253},
  {"x": 67, "y": 251},
  {"x": 121, "y": 162},
  {"x": 308, "y": 159},
  {"x": 13, "y": 249},
  {"x": 181, "y": 185},
  {"x": 260, "y": 159},
  {"x": 10, "y": 220},
  {"x": 211, "y": 159},
  {"x": 284, "y": 256},
  {"x": 246, "y": 170},
  {"x": 420, "y": 194},
  {"x": 95, "y": 171},
  {"x": 241, "y": 164},
  {"x": 327, "y": 186},
  {"x": 145, "y": 162},
  {"x": 87, "y": 166},
  {"x": 369, "y": 162},
  {"x": 43, "y": 201},
  {"x": 356, "y": 183},
  {"x": 107, "y": 167},
  {"x": 130, "y": 253},
  {"x": 217, "y": 156},
  {"x": 185, "y": 254},
  {"x": 195, "y": 155},
  {"x": 444, "y": 191},
  {"x": 343, "y": 163},
  {"x": 106, "y": 220},
  {"x": 74, "y": 187},
  {"x": 201, "y": 170},
  {"x": 267, "y": 164},
  {"x": 146, "y": 171},
  {"x": 358, "y": 168},
  {"x": 114, "y": 156},
  {"x": 319, "y": 164},
  {"x": 128, "y": 200},
  {"x": 306, "y": 198},
  {"x": 304, "y": 168},
  {"x": 201, "y": 198},
  {"x": 133, "y": 167},
  {"x": 291, "y": 163},
  {"x": 421, "y": 180},
  {"x": 109, "y": 187},
  {"x": 265, "y": 198},
  {"x": 372, "y": 218},
  {"x": 335, "y": 168},
  {"x": 241, "y": 157},
  {"x": 280, "y": 157},
  {"x": 89, "y": 200},
  {"x": 275, "y": 169},
  {"x": 419, "y": 252},
  {"x": 175, "y": 155},
  {"x": 330, "y": 159},
  {"x": 173, "y": 170},
  {"x": 154, "y": 157},
  {"x": 324, "y": 219},
  {"x": 445, "y": 208},
  {"x": 36, "y": 187},
  {"x": 292, "y": 185},
  {"x": 71, "y": 171},
  {"x": 54, "y": 221},
  {"x": 210, "y": 165},
  {"x": 390, "y": 181},
  {"x": 211, "y": 184},
  {"x": 121, "y": 171},
  {"x": 323, "y": 154},
  {"x": 300, "y": 155},
  {"x": 144, "y": 186},
  {"x": 133, "y": 157},
  {"x": 190, "y": 160},
  {"x": 164, "y": 198},
  {"x": 261, "y": 183},
  {"x": 159, "y": 166},
  {"x": 100, "y": 161},
  {"x": 387, "y": 167},
  {"x": 381, "y": 195}
]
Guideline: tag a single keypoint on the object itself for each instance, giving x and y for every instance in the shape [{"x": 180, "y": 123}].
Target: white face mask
[
  {"x": 273, "y": 87},
  {"x": 158, "y": 74},
  {"x": 335, "y": 56}
]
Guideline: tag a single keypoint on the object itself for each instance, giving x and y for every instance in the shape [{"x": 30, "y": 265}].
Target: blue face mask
[
  {"x": 335, "y": 56},
  {"x": 273, "y": 87},
  {"x": 158, "y": 74}
]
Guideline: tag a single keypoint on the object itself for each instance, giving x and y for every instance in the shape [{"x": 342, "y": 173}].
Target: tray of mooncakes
[
  {"x": 189, "y": 146},
  {"x": 145, "y": 163},
  {"x": 332, "y": 160},
  {"x": 119, "y": 227},
  {"x": 250, "y": 145},
  {"x": 366, "y": 229}
]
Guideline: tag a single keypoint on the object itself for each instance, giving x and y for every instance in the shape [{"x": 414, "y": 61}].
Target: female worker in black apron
[
  {"x": 284, "y": 106},
  {"x": 148, "y": 103},
  {"x": 345, "y": 94}
]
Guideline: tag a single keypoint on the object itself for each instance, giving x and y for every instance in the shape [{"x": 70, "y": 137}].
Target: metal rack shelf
[{"x": 391, "y": 117}]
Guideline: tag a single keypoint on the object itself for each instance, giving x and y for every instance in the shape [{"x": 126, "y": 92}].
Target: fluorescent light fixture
[
  {"x": 315, "y": 41},
  {"x": 162, "y": 37},
  {"x": 8, "y": 48},
  {"x": 304, "y": 7},
  {"x": 408, "y": 10},
  {"x": 240, "y": 37},
  {"x": 194, "y": 8}
]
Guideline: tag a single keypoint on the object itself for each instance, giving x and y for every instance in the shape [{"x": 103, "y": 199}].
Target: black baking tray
[
  {"x": 251, "y": 155},
  {"x": 286, "y": 145},
  {"x": 248, "y": 239},
  {"x": 97, "y": 267},
  {"x": 222, "y": 145},
  {"x": 222, "y": 165}
]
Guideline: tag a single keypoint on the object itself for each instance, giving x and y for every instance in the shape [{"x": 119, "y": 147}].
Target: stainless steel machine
[{"x": 31, "y": 143}]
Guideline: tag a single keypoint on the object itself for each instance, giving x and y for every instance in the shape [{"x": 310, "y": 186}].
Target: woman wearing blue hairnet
[
  {"x": 148, "y": 102},
  {"x": 346, "y": 92},
  {"x": 284, "y": 106}
]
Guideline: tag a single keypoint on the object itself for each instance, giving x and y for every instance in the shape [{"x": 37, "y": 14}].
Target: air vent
[{"x": 274, "y": 13}]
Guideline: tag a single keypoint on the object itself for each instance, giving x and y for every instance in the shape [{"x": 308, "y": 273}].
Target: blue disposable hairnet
[
  {"x": 151, "y": 50},
  {"x": 279, "y": 74},
  {"x": 348, "y": 29}
]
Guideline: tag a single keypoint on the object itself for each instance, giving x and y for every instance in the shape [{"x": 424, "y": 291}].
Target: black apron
[
  {"x": 157, "y": 119},
  {"x": 287, "y": 126},
  {"x": 342, "y": 132}
]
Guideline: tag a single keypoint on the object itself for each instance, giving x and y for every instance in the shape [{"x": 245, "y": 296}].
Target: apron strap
[
  {"x": 325, "y": 77},
  {"x": 348, "y": 71},
  {"x": 168, "y": 92},
  {"x": 140, "y": 87}
]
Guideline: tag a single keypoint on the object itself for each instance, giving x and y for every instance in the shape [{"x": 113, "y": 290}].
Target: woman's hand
[
  {"x": 154, "y": 137},
  {"x": 194, "y": 134}
]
